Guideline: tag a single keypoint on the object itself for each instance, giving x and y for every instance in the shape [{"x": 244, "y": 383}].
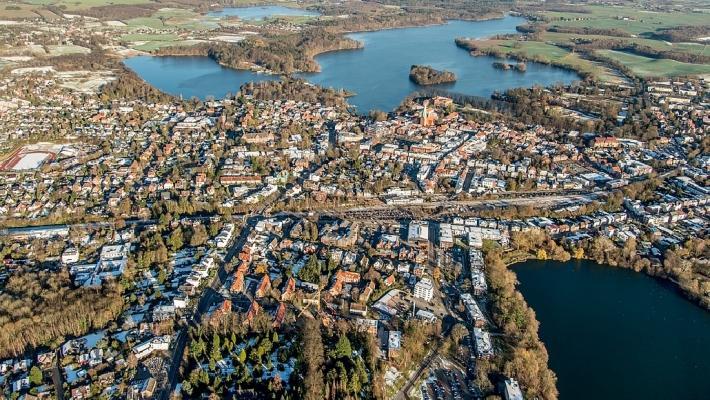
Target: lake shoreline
[
  {"x": 376, "y": 73},
  {"x": 616, "y": 320},
  {"x": 664, "y": 279}
]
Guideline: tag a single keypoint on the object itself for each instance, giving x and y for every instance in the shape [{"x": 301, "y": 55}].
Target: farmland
[{"x": 650, "y": 67}]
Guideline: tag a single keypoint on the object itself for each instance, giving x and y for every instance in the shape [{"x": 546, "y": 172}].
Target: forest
[
  {"x": 277, "y": 53},
  {"x": 43, "y": 308}
]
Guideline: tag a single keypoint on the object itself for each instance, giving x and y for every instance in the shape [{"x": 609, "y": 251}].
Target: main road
[{"x": 210, "y": 295}]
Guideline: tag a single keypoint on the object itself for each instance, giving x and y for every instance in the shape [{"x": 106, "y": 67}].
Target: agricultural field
[
  {"x": 17, "y": 11},
  {"x": 83, "y": 4},
  {"x": 155, "y": 45},
  {"x": 628, "y": 19},
  {"x": 650, "y": 67},
  {"x": 568, "y": 38},
  {"x": 168, "y": 18},
  {"x": 635, "y": 27}
]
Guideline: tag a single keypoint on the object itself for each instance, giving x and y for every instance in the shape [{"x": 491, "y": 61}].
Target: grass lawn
[{"x": 650, "y": 67}]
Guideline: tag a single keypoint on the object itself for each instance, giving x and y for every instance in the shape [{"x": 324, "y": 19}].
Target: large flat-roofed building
[
  {"x": 424, "y": 289},
  {"x": 418, "y": 232}
]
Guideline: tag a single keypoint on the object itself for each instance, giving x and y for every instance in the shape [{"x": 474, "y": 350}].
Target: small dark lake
[{"x": 613, "y": 333}]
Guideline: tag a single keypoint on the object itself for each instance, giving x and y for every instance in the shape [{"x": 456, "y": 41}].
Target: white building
[
  {"x": 70, "y": 255},
  {"x": 484, "y": 345},
  {"x": 225, "y": 236},
  {"x": 473, "y": 311},
  {"x": 158, "y": 343},
  {"x": 424, "y": 289},
  {"x": 511, "y": 390},
  {"x": 418, "y": 231}
]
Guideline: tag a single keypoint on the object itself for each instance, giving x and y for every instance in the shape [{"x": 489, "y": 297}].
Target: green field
[
  {"x": 66, "y": 49},
  {"x": 82, "y": 4},
  {"x": 568, "y": 38},
  {"x": 155, "y": 45},
  {"x": 628, "y": 19},
  {"x": 550, "y": 54},
  {"x": 149, "y": 37},
  {"x": 649, "y": 67},
  {"x": 167, "y": 18}
]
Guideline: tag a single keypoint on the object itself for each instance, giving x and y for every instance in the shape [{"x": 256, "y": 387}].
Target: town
[{"x": 157, "y": 247}]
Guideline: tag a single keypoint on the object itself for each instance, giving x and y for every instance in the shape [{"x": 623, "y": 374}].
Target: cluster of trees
[
  {"x": 311, "y": 272},
  {"x": 521, "y": 66},
  {"x": 539, "y": 245},
  {"x": 129, "y": 86},
  {"x": 524, "y": 356},
  {"x": 585, "y": 30},
  {"x": 683, "y": 33},
  {"x": 113, "y": 11},
  {"x": 532, "y": 106},
  {"x": 297, "y": 90},
  {"x": 686, "y": 264},
  {"x": 338, "y": 363},
  {"x": 426, "y": 75},
  {"x": 588, "y": 45},
  {"x": 43, "y": 308},
  {"x": 249, "y": 347}
]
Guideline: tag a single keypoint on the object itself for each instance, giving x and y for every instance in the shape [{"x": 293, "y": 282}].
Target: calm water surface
[
  {"x": 192, "y": 76},
  {"x": 259, "y": 13},
  {"x": 616, "y": 334},
  {"x": 378, "y": 74}
]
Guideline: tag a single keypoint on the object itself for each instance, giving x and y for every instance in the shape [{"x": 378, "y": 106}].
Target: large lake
[
  {"x": 378, "y": 74},
  {"x": 617, "y": 334}
]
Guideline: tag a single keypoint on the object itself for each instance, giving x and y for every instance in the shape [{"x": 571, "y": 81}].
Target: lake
[
  {"x": 192, "y": 76},
  {"x": 613, "y": 333},
  {"x": 378, "y": 73},
  {"x": 259, "y": 13}
]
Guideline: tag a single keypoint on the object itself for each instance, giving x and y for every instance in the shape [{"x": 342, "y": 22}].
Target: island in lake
[
  {"x": 520, "y": 67},
  {"x": 426, "y": 75}
]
